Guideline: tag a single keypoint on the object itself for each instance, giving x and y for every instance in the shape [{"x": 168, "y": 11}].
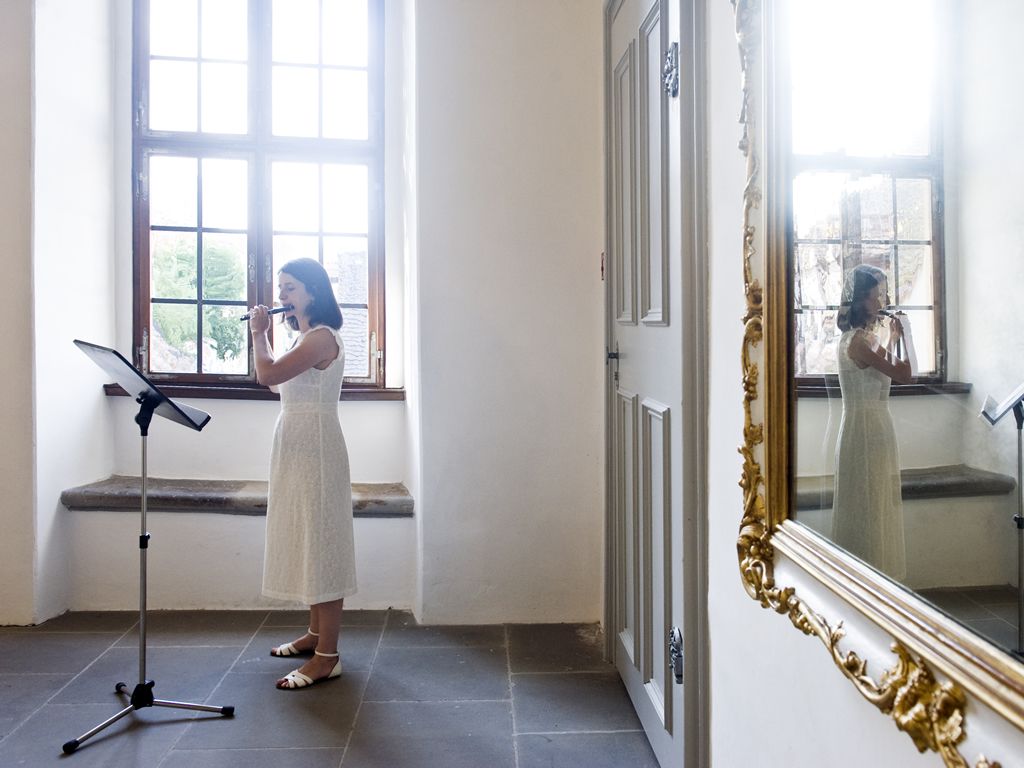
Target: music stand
[
  {"x": 993, "y": 412},
  {"x": 151, "y": 400}
]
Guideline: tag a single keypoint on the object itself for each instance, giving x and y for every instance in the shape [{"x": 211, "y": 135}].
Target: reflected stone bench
[
  {"x": 226, "y": 497},
  {"x": 957, "y": 522},
  {"x": 815, "y": 491}
]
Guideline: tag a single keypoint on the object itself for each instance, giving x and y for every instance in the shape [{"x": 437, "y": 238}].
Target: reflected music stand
[
  {"x": 993, "y": 412},
  {"x": 151, "y": 400}
]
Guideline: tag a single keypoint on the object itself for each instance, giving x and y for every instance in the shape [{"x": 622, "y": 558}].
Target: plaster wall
[
  {"x": 991, "y": 223},
  {"x": 510, "y": 232},
  {"x": 17, "y": 488},
  {"x": 72, "y": 268}
]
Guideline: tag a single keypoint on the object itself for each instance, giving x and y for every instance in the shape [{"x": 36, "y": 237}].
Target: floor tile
[
  {"x": 578, "y": 701},
  {"x": 402, "y": 631},
  {"x": 438, "y": 674},
  {"x": 51, "y": 653},
  {"x": 348, "y": 618},
  {"x": 1003, "y": 593},
  {"x": 181, "y": 674},
  {"x": 228, "y": 628},
  {"x": 593, "y": 750},
  {"x": 21, "y": 695},
  {"x": 139, "y": 739},
  {"x": 998, "y": 631},
  {"x": 252, "y": 758},
  {"x": 1008, "y": 612},
  {"x": 957, "y": 605},
  {"x": 556, "y": 648},
  {"x": 357, "y": 645},
  {"x": 87, "y": 621},
  {"x": 317, "y": 717},
  {"x": 432, "y": 735}
]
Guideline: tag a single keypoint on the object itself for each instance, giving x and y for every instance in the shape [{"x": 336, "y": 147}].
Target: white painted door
[{"x": 646, "y": 327}]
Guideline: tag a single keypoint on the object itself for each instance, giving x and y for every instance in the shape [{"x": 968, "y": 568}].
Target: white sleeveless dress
[
  {"x": 867, "y": 507},
  {"x": 310, "y": 554}
]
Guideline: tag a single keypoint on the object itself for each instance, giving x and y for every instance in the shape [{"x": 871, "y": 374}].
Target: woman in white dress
[
  {"x": 867, "y": 508},
  {"x": 309, "y": 550}
]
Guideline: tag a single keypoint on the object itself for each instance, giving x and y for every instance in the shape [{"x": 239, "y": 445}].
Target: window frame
[
  {"x": 260, "y": 148},
  {"x": 928, "y": 167}
]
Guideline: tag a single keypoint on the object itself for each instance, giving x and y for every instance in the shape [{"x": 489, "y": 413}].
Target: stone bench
[
  {"x": 815, "y": 491},
  {"x": 225, "y": 497}
]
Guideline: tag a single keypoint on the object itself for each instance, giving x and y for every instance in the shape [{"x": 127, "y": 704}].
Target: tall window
[
  {"x": 258, "y": 138},
  {"x": 866, "y": 169}
]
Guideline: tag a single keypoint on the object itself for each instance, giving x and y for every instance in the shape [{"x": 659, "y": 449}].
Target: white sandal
[
  {"x": 296, "y": 679},
  {"x": 289, "y": 649}
]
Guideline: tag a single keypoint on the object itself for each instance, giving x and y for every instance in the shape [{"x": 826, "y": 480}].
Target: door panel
[{"x": 646, "y": 382}]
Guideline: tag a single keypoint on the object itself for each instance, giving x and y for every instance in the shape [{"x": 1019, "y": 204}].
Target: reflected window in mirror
[{"x": 865, "y": 170}]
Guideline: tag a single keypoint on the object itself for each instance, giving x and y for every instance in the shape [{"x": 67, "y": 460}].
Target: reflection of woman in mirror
[{"x": 867, "y": 508}]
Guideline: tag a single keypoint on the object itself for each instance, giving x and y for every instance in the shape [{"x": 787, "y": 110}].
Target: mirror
[
  {"x": 881, "y": 169},
  {"x": 902, "y": 172}
]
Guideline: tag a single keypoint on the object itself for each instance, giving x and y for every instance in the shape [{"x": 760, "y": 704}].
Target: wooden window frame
[{"x": 260, "y": 148}]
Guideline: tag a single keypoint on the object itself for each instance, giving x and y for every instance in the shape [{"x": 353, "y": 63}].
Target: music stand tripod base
[{"x": 151, "y": 400}]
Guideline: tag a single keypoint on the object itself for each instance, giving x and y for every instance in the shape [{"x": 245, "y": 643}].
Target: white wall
[
  {"x": 777, "y": 699},
  {"x": 991, "y": 221},
  {"x": 510, "y": 309},
  {"x": 17, "y": 491},
  {"x": 73, "y": 268}
]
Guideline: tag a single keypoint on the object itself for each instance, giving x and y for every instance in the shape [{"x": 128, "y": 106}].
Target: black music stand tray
[{"x": 151, "y": 400}]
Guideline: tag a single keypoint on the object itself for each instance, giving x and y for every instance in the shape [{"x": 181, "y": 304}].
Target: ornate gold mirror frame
[{"x": 926, "y": 644}]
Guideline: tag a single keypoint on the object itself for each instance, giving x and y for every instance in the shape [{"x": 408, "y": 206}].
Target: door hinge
[{"x": 675, "y": 653}]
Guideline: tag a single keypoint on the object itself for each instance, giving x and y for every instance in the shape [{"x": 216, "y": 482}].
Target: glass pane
[
  {"x": 283, "y": 336},
  {"x": 914, "y": 209},
  {"x": 915, "y": 275},
  {"x": 224, "y": 267},
  {"x": 225, "y": 193},
  {"x": 296, "y": 197},
  {"x": 172, "y": 191},
  {"x": 818, "y": 205},
  {"x": 288, "y": 247},
  {"x": 225, "y": 98},
  {"x": 876, "y": 211},
  {"x": 296, "y": 25},
  {"x": 225, "y": 29},
  {"x": 345, "y": 33},
  {"x": 815, "y": 343},
  {"x": 859, "y": 98},
  {"x": 346, "y": 104},
  {"x": 356, "y": 334},
  {"x": 224, "y": 340},
  {"x": 172, "y": 96},
  {"x": 346, "y": 261},
  {"x": 878, "y": 256},
  {"x": 173, "y": 29},
  {"x": 172, "y": 265},
  {"x": 346, "y": 207},
  {"x": 819, "y": 278},
  {"x": 172, "y": 338},
  {"x": 296, "y": 102},
  {"x": 922, "y": 332}
]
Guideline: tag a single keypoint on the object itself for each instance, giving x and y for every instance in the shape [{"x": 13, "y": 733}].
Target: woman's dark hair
[
  {"x": 323, "y": 310},
  {"x": 859, "y": 283}
]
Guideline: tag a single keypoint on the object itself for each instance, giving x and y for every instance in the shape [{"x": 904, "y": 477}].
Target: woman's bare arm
[{"x": 884, "y": 360}]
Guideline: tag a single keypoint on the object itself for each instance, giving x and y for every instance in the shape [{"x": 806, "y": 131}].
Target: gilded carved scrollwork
[{"x": 929, "y": 711}]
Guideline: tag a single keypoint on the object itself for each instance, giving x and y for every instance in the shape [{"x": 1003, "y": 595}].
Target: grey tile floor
[
  {"x": 989, "y": 611},
  {"x": 521, "y": 696}
]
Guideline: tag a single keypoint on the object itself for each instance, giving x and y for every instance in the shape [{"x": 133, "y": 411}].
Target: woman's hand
[
  {"x": 896, "y": 326},
  {"x": 259, "y": 319}
]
